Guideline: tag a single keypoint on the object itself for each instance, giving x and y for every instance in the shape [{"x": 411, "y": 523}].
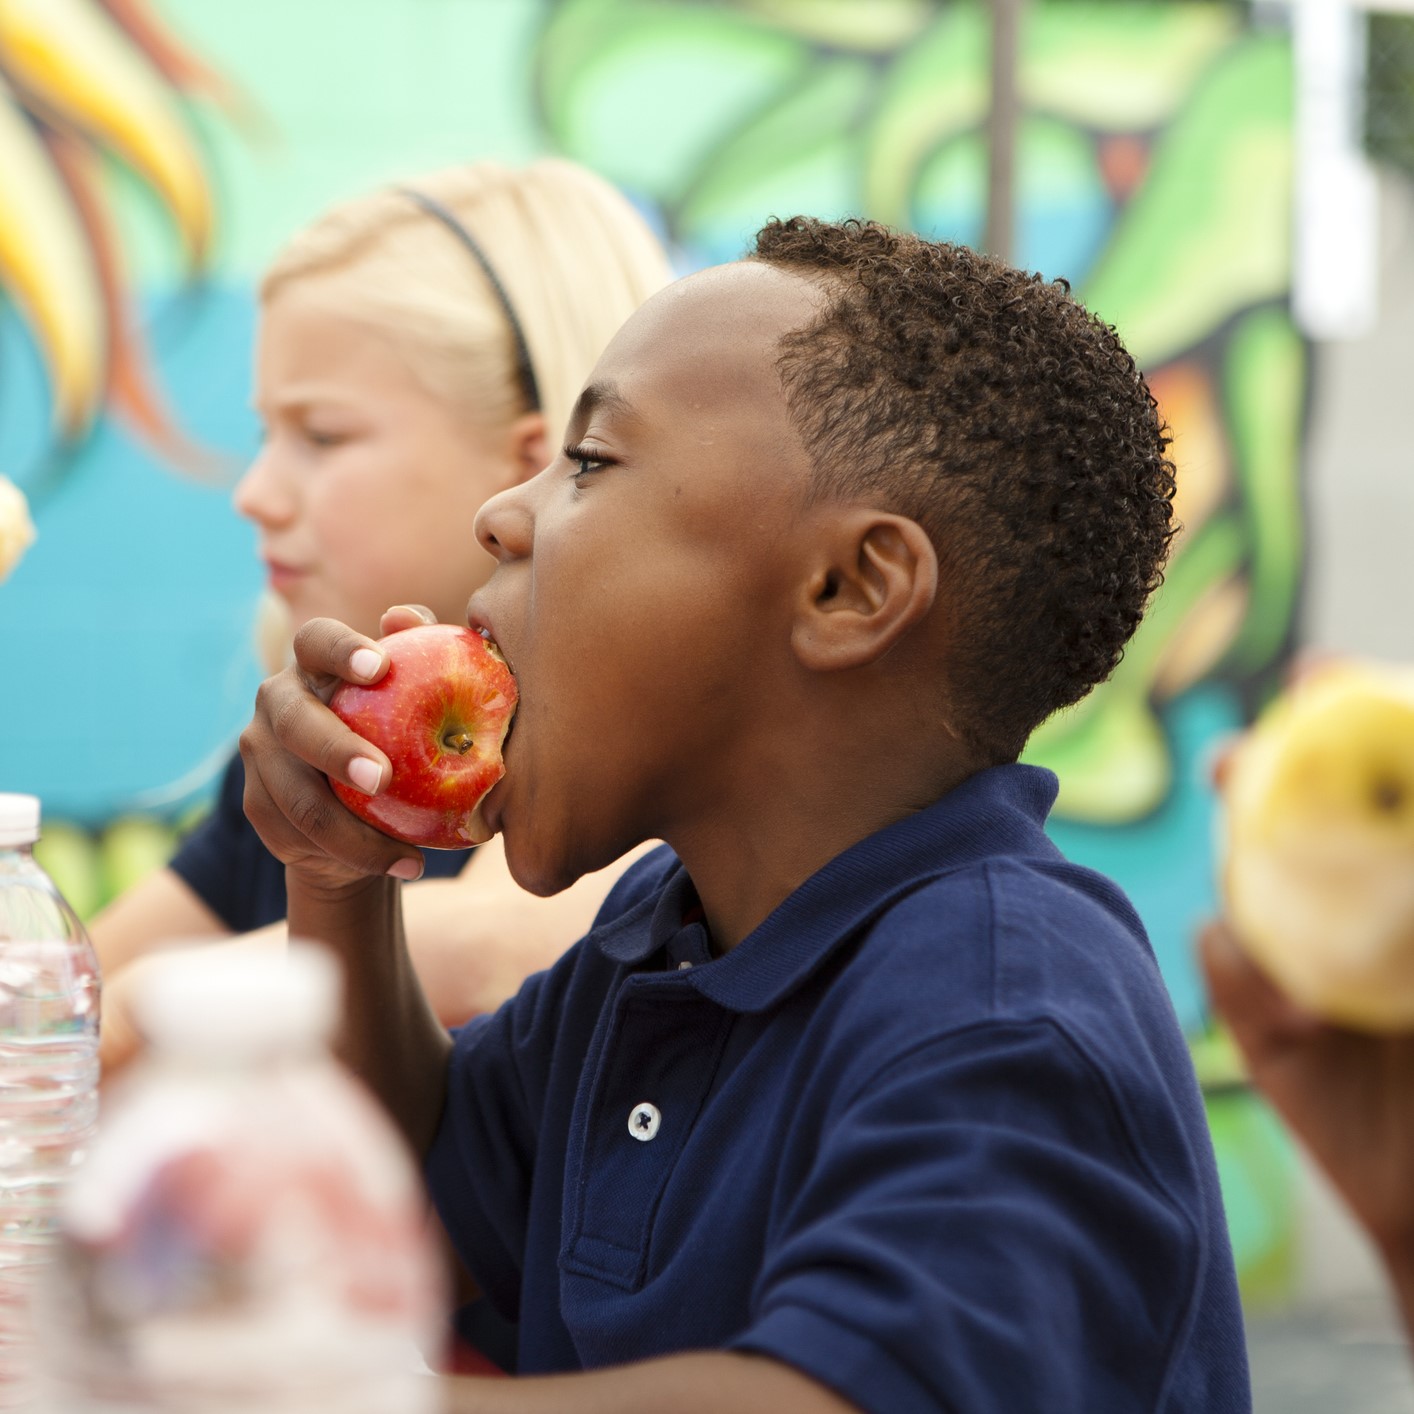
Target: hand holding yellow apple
[{"x": 1318, "y": 851}]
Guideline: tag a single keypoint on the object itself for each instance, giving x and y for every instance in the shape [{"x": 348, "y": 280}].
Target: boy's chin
[
  {"x": 544, "y": 867},
  {"x": 535, "y": 868}
]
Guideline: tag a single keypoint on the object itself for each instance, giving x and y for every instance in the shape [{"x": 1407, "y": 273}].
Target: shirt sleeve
[
  {"x": 225, "y": 864},
  {"x": 979, "y": 1233}
]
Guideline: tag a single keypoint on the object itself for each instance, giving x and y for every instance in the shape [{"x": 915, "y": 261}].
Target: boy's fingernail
[
  {"x": 365, "y": 774},
  {"x": 364, "y": 662},
  {"x": 407, "y": 869}
]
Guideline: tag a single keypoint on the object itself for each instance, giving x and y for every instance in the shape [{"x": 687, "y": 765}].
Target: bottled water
[
  {"x": 248, "y": 1232},
  {"x": 48, "y": 1077}
]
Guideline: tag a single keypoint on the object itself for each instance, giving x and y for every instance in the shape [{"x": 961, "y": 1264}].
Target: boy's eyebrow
[{"x": 601, "y": 397}]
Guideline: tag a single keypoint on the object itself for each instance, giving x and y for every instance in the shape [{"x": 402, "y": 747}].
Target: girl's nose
[{"x": 262, "y": 494}]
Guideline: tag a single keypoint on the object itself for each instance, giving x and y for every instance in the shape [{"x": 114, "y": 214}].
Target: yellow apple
[{"x": 1318, "y": 849}]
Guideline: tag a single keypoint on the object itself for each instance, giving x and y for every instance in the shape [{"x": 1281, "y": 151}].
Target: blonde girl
[{"x": 418, "y": 350}]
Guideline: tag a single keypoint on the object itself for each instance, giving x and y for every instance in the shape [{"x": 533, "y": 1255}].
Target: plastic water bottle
[
  {"x": 48, "y": 1078},
  {"x": 249, "y": 1232}
]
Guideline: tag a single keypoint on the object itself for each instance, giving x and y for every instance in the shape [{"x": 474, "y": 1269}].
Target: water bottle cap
[
  {"x": 19, "y": 819},
  {"x": 236, "y": 999}
]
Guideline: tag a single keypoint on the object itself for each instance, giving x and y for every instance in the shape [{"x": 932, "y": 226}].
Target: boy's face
[{"x": 646, "y": 584}]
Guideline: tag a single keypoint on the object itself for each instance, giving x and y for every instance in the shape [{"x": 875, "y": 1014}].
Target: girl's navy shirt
[
  {"x": 228, "y": 868},
  {"x": 930, "y": 1134}
]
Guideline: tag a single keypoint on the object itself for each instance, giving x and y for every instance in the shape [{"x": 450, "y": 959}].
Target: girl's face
[{"x": 367, "y": 485}]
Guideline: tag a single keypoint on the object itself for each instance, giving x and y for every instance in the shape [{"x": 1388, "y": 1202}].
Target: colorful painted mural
[
  {"x": 151, "y": 160},
  {"x": 82, "y": 82}
]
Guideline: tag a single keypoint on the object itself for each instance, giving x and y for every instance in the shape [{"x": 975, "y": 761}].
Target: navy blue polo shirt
[{"x": 929, "y": 1134}]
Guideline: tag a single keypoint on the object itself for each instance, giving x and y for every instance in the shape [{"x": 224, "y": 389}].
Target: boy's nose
[{"x": 505, "y": 523}]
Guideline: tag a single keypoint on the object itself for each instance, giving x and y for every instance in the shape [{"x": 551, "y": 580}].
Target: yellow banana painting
[
  {"x": 78, "y": 69},
  {"x": 80, "y": 80},
  {"x": 48, "y": 268}
]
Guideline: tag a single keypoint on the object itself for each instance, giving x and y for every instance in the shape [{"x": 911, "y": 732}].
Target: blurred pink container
[{"x": 249, "y": 1231}]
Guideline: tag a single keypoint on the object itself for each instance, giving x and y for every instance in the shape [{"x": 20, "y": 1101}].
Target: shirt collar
[{"x": 999, "y": 810}]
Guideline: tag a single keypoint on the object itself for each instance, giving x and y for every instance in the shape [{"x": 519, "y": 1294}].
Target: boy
[{"x": 859, "y": 1096}]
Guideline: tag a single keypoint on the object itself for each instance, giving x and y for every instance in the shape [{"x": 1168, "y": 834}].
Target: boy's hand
[
  {"x": 294, "y": 742},
  {"x": 1346, "y": 1094}
]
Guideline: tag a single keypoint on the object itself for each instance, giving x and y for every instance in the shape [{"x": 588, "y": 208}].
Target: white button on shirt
[{"x": 643, "y": 1122}]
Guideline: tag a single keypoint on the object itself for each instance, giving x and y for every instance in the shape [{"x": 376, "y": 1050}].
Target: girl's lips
[{"x": 282, "y": 576}]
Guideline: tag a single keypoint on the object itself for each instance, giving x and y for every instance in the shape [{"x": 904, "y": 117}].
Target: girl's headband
[{"x": 524, "y": 368}]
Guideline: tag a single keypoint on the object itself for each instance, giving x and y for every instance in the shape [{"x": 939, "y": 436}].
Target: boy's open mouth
[{"x": 491, "y": 643}]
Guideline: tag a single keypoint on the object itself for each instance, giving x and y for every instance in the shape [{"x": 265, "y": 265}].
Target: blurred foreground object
[
  {"x": 16, "y": 528},
  {"x": 1318, "y": 866},
  {"x": 48, "y": 1078},
  {"x": 248, "y": 1232}
]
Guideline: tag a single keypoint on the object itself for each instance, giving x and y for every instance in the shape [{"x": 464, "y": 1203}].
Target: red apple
[{"x": 440, "y": 714}]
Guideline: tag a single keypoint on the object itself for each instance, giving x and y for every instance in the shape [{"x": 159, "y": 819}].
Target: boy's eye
[
  {"x": 585, "y": 464},
  {"x": 317, "y": 437}
]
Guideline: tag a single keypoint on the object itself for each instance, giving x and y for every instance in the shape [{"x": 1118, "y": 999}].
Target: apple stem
[{"x": 459, "y": 741}]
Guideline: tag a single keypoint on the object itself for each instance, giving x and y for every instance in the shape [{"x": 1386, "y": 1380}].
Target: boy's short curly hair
[{"x": 988, "y": 405}]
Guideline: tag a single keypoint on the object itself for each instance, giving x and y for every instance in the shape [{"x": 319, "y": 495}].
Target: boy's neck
[{"x": 743, "y": 869}]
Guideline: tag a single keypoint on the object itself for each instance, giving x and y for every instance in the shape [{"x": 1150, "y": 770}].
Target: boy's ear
[
  {"x": 530, "y": 445},
  {"x": 875, "y": 576}
]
